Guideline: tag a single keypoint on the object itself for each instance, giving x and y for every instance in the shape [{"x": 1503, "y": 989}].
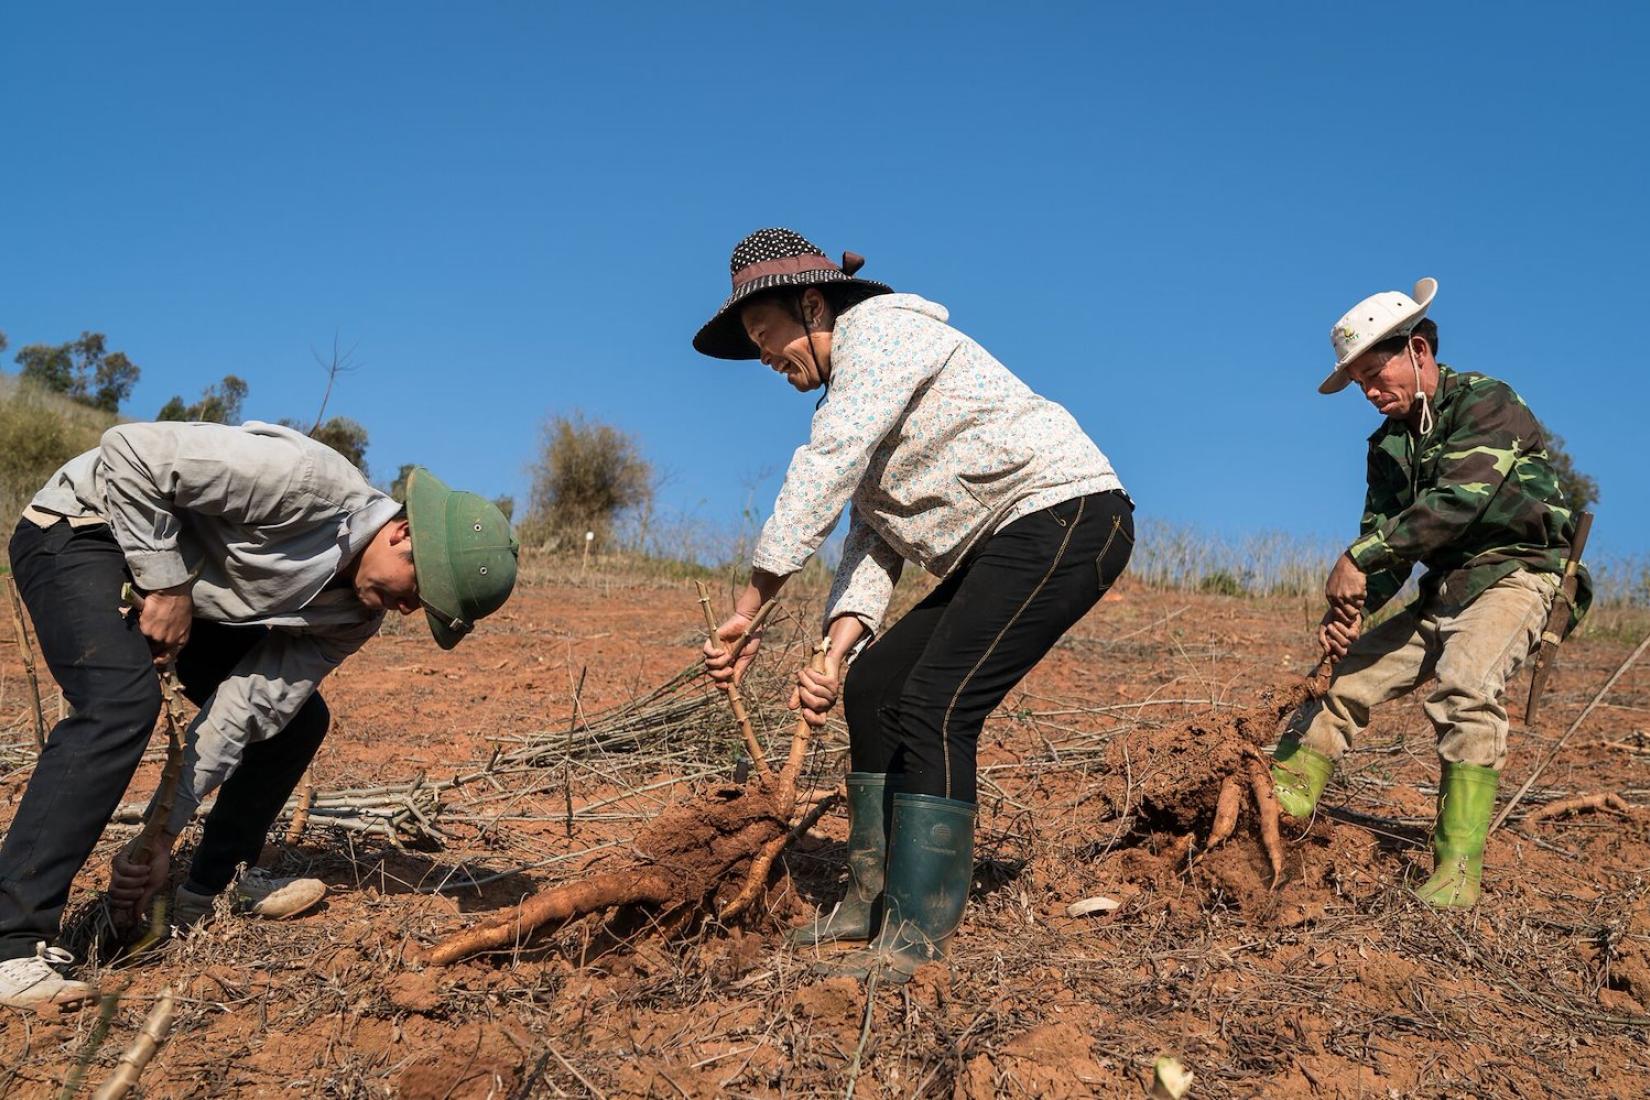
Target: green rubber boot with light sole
[
  {"x": 1466, "y": 802},
  {"x": 1299, "y": 775},
  {"x": 859, "y": 913},
  {"x": 930, "y": 871}
]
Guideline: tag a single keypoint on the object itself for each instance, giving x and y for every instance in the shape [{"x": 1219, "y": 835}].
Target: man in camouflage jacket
[{"x": 1459, "y": 481}]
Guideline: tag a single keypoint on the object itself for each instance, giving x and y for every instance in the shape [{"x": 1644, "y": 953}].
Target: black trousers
[
  {"x": 916, "y": 699},
  {"x": 71, "y": 579}
]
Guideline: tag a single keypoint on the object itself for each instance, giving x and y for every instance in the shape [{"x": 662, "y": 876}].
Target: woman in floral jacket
[{"x": 949, "y": 461}]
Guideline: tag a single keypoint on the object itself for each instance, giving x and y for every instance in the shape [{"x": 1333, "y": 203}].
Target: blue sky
[{"x": 1152, "y": 213}]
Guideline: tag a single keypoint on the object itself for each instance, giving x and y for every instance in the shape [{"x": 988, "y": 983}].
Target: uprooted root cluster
[{"x": 682, "y": 863}]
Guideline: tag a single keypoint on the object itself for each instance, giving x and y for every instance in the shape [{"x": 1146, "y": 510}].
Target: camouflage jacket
[{"x": 1480, "y": 501}]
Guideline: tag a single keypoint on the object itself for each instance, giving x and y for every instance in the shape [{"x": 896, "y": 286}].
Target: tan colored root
[
  {"x": 300, "y": 816},
  {"x": 575, "y": 899},
  {"x": 1226, "y": 811},
  {"x": 156, "y": 1027},
  {"x": 1607, "y": 801},
  {"x": 757, "y": 877},
  {"x": 1268, "y": 812}
]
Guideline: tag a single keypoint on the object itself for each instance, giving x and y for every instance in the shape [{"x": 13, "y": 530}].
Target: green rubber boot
[
  {"x": 1466, "y": 801},
  {"x": 1299, "y": 775},
  {"x": 930, "y": 869},
  {"x": 859, "y": 913}
]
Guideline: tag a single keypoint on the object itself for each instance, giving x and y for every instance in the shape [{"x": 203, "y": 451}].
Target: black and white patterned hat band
[{"x": 773, "y": 258}]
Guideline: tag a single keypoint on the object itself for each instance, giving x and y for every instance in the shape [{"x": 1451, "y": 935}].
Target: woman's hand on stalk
[
  {"x": 723, "y": 670},
  {"x": 816, "y": 692}
]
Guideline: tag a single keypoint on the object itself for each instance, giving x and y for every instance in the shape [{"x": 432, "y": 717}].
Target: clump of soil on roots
[
  {"x": 1166, "y": 785},
  {"x": 688, "y": 862}
]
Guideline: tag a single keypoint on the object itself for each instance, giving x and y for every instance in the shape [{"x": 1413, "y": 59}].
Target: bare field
[{"x": 1337, "y": 983}]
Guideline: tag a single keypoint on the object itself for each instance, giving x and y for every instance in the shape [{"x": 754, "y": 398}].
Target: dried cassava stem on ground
[
  {"x": 156, "y": 1026},
  {"x": 1608, "y": 801}
]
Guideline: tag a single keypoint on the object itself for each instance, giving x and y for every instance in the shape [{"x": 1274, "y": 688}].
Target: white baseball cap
[{"x": 1389, "y": 313}]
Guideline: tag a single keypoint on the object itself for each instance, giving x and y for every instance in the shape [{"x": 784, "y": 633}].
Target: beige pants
[{"x": 1473, "y": 651}]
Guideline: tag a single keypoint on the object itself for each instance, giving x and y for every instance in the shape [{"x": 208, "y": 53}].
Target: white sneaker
[
  {"x": 257, "y": 893},
  {"x": 32, "y": 981}
]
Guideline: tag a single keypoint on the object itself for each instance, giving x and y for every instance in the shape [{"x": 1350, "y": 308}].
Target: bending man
[
  {"x": 1459, "y": 481},
  {"x": 265, "y": 559}
]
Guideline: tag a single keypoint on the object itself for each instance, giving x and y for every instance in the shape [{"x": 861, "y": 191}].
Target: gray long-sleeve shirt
[{"x": 267, "y": 517}]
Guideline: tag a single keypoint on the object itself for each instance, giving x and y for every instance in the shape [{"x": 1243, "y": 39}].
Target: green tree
[
  {"x": 84, "y": 370},
  {"x": 343, "y": 435},
  {"x": 586, "y": 476},
  {"x": 507, "y": 505},
  {"x": 220, "y": 403},
  {"x": 398, "y": 487},
  {"x": 1580, "y": 490}
]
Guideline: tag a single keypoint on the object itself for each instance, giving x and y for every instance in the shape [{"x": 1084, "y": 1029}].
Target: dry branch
[
  {"x": 1552, "y": 753},
  {"x": 156, "y": 1026},
  {"x": 1607, "y": 801}
]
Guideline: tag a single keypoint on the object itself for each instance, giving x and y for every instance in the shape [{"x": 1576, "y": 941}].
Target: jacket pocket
[{"x": 996, "y": 489}]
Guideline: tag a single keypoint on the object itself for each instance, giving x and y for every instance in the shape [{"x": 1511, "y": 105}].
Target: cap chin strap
[
  {"x": 1427, "y": 421},
  {"x": 453, "y": 622}
]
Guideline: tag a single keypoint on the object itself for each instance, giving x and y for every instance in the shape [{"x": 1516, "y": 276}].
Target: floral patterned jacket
[{"x": 934, "y": 442}]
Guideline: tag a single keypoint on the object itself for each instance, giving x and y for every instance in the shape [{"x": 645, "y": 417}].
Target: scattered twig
[
  {"x": 156, "y": 1026},
  {"x": 1607, "y": 801},
  {"x": 1559, "y": 744}
]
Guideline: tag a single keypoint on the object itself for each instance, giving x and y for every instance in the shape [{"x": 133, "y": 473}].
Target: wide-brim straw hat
[
  {"x": 766, "y": 259},
  {"x": 1377, "y": 317}
]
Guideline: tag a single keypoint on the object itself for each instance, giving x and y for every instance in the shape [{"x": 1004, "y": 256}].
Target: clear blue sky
[{"x": 1152, "y": 213}]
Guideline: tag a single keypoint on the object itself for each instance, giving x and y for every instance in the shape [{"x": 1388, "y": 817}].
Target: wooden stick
[
  {"x": 1553, "y": 752},
  {"x": 736, "y": 700},
  {"x": 156, "y": 1026},
  {"x": 27, "y": 650}
]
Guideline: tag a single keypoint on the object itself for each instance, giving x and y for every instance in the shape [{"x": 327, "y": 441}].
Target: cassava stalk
[{"x": 156, "y": 1026}]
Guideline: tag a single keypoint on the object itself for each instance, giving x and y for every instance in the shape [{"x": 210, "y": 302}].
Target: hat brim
[
  {"x": 427, "y": 498},
  {"x": 723, "y": 336},
  {"x": 1425, "y": 291}
]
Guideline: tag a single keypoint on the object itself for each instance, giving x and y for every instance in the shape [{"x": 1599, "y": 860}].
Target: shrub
[{"x": 586, "y": 477}]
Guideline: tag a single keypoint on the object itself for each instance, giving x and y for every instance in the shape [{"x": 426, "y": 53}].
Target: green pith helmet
[{"x": 464, "y": 553}]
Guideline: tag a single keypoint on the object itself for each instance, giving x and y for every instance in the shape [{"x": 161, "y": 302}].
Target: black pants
[
  {"x": 916, "y": 699},
  {"x": 71, "y": 579}
]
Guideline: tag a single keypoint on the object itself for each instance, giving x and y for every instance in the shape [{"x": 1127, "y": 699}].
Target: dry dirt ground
[{"x": 1339, "y": 983}]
